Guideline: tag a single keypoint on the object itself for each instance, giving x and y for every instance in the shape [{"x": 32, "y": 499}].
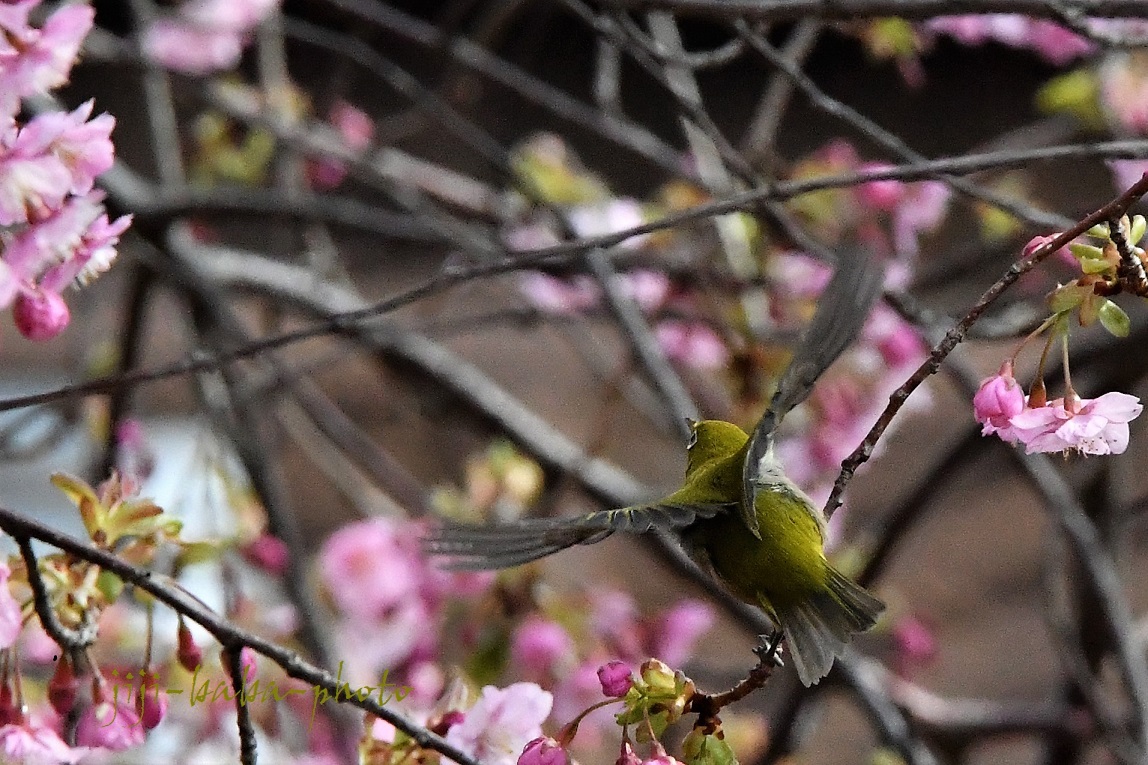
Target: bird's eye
[{"x": 693, "y": 439}]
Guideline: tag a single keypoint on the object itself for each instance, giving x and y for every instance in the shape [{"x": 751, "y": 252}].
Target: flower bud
[
  {"x": 616, "y": 678},
  {"x": 63, "y": 686},
  {"x": 543, "y": 751},
  {"x": 187, "y": 652},
  {"x": 40, "y": 315}
]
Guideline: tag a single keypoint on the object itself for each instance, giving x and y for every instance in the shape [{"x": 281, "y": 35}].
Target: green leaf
[
  {"x": 701, "y": 749},
  {"x": 1066, "y": 298},
  {"x": 1077, "y": 93},
  {"x": 1137, "y": 229},
  {"x": 1100, "y": 231},
  {"x": 1086, "y": 251},
  {"x": 109, "y": 585},
  {"x": 1113, "y": 319},
  {"x": 197, "y": 552}
]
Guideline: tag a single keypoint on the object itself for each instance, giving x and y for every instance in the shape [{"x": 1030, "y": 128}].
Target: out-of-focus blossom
[
  {"x": 608, "y": 218},
  {"x": 1053, "y": 42},
  {"x": 30, "y": 743},
  {"x": 539, "y": 644},
  {"x": 206, "y": 35},
  {"x": 191, "y": 49},
  {"x": 356, "y": 129},
  {"x": 10, "y": 617},
  {"x": 367, "y": 569},
  {"x": 109, "y": 726},
  {"x": 616, "y": 678},
  {"x": 1124, "y": 91},
  {"x": 187, "y": 652},
  {"x": 1125, "y": 172},
  {"x": 1090, "y": 426},
  {"x": 543, "y": 751},
  {"x": 921, "y": 209},
  {"x": 502, "y": 722},
  {"x": 676, "y": 632},
  {"x": 692, "y": 343},
  {"x": 267, "y": 552},
  {"x": 649, "y": 289},
  {"x": 913, "y": 642},
  {"x": 997, "y": 401},
  {"x": 563, "y": 297}
]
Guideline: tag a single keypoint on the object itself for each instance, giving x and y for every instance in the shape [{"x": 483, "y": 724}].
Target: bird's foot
[{"x": 768, "y": 651}]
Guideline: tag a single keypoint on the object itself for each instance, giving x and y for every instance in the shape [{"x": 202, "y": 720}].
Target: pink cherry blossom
[
  {"x": 997, "y": 401},
  {"x": 538, "y": 645},
  {"x": 676, "y": 632},
  {"x": 544, "y": 751},
  {"x": 692, "y": 343},
  {"x": 268, "y": 553},
  {"x": 503, "y": 721},
  {"x": 237, "y": 15},
  {"x": 1125, "y": 172},
  {"x": 914, "y": 643},
  {"x": 110, "y": 726},
  {"x": 10, "y": 617},
  {"x": 1053, "y": 42},
  {"x": 367, "y": 569},
  {"x": 609, "y": 218},
  {"x": 555, "y": 295},
  {"x": 191, "y": 49},
  {"x": 627, "y": 755},
  {"x": 649, "y": 289},
  {"x": 33, "y": 743},
  {"x": 1090, "y": 426},
  {"x": 922, "y": 208},
  {"x": 34, "y": 61}
]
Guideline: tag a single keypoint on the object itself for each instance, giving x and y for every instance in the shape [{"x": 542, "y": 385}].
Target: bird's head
[{"x": 713, "y": 440}]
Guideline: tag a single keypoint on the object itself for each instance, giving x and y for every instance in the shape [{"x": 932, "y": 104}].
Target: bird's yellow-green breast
[{"x": 787, "y": 564}]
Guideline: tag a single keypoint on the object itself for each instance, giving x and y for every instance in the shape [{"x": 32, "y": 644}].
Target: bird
[{"x": 736, "y": 514}]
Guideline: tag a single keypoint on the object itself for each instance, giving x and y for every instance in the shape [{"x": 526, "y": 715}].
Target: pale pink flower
[
  {"x": 10, "y": 618},
  {"x": 353, "y": 124},
  {"x": 40, "y": 315},
  {"x": 649, "y": 289},
  {"x": 914, "y": 643},
  {"x": 31, "y": 743},
  {"x": 368, "y": 570},
  {"x": 1064, "y": 254},
  {"x": 922, "y": 208},
  {"x": 609, "y": 218},
  {"x": 110, "y": 726},
  {"x": 614, "y": 620},
  {"x": 237, "y": 15},
  {"x": 1053, "y": 42},
  {"x": 406, "y": 632},
  {"x": 1124, "y": 91},
  {"x": 997, "y": 401},
  {"x": 503, "y": 721},
  {"x": 662, "y": 759},
  {"x": 692, "y": 343},
  {"x": 676, "y": 632},
  {"x": 616, "y": 678},
  {"x": 34, "y": 61},
  {"x": 93, "y": 255},
  {"x": 191, "y": 49},
  {"x": 539, "y": 644},
  {"x": 562, "y": 297},
  {"x": 543, "y": 751},
  {"x": 1090, "y": 426},
  {"x": 1125, "y": 172}
]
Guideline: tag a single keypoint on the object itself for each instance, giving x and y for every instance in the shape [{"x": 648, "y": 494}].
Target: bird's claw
[{"x": 768, "y": 651}]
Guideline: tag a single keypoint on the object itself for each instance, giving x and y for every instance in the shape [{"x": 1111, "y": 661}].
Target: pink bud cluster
[
  {"x": 56, "y": 231},
  {"x": 1088, "y": 426}
]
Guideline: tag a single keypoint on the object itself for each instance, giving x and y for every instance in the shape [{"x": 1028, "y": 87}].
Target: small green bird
[{"x": 768, "y": 551}]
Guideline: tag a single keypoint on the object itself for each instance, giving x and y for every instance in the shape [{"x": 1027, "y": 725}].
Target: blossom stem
[
  {"x": 570, "y": 729},
  {"x": 1069, "y": 392}
]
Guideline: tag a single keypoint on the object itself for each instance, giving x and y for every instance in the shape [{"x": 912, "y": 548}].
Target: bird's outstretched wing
[
  {"x": 502, "y": 545},
  {"x": 842, "y": 309}
]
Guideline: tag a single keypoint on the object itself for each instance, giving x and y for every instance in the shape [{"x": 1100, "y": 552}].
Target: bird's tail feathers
[{"x": 818, "y": 629}]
